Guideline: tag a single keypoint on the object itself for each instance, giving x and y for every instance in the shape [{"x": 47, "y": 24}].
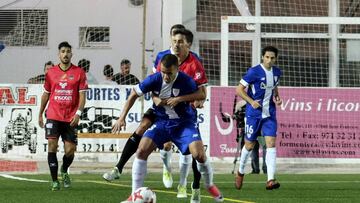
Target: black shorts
[
  {"x": 150, "y": 114},
  {"x": 55, "y": 129}
]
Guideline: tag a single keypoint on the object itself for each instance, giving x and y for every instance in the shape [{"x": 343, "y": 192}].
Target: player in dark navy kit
[
  {"x": 64, "y": 92},
  {"x": 175, "y": 121},
  {"x": 262, "y": 95}
]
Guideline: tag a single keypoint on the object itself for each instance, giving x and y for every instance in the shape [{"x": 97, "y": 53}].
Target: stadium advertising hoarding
[
  {"x": 312, "y": 123},
  {"x": 22, "y": 138}
]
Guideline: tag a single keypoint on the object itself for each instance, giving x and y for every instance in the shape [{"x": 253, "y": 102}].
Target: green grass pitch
[{"x": 92, "y": 188}]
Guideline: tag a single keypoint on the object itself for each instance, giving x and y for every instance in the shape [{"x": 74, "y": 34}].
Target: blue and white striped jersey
[
  {"x": 182, "y": 85},
  {"x": 261, "y": 83}
]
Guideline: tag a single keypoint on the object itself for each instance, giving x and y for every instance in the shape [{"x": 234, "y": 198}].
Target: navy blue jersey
[
  {"x": 261, "y": 84},
  {"x": 182, "y": 85}
]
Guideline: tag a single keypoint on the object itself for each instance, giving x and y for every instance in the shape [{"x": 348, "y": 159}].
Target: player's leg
[
  {"x": 165, "y": 155},
  {"x": 255, "y": 159},
  {"x": 154, "y": 137},
  {"x": 184, "y": 166},
  {"x": 203, "y": 164},
  {"x": 52, "y": 135},
  {"x": 131, "y": 146},
  {"x": 195, "y": 186},
  {"x": 69, "y": 136},
  {"x": 251, "y": 132},
  {"x": 269, "y": 129}
]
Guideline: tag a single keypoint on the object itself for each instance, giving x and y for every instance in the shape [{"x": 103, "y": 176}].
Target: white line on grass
[{"x": 25, "y": 179}]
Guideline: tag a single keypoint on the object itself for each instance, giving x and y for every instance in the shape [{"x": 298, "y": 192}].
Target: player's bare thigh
[{"x": 145, "y": 148}]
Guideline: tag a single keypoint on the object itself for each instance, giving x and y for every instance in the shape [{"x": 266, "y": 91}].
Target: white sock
[
  {"x": 243, "y": 159},
  {"x": 185, "y": 162},
  {"x": 270, "y": 160},
  {"x": 166, "y": 157},
  {"x": 139, "y": 169},
  {"x": 206, "y": 172}
]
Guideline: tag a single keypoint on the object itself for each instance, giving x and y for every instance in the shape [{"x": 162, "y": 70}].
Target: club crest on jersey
[
  {"x": 175, "y": 92},
  {"x": 71, "y": 77},
  {"x": 63, "y": 84}
]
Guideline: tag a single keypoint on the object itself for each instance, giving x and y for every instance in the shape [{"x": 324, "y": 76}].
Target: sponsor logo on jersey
[{"x": 63, "y": 84}]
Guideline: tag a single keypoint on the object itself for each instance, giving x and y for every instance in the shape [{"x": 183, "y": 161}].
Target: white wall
[{"x": 17, "y": 64}]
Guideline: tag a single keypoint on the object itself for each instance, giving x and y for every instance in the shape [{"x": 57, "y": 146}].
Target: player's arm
[
  {"x": 240, "y": 90},
  {"x": 121, "y": 121},
  {"x": 196, "y": 96},
  {"x": 82, "y": 100},
  {"x": 278, "y": 100},
  {"x": 200, "y": 102},
  {"x": 44, "y": 100}
]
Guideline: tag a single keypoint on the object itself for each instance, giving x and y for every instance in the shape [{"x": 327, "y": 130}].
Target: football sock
[
  {"x": 67, "y": 160},
  {"x": 129, "y": 149},
  {"x": 207, "y": 172},
  {"x": 139, "y": 169},
  {"x": 53, "y": 165},
  {"x": 184, "y": 165},
  {"x": 166, "y": 157},
  {"x": 271, "y": 162},
  {"x": 197, "y": 175},
  {"x": 243, "y": 159}
]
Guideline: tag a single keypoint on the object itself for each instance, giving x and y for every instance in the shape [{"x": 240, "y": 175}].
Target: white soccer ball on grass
[{"x": 144, "y": 195}]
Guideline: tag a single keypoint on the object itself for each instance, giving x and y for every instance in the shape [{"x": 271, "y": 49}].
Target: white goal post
[{"x": 254, "y": 33}]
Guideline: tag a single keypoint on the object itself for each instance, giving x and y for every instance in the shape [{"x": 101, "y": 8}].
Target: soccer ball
[{"x": 144, "y": 195}]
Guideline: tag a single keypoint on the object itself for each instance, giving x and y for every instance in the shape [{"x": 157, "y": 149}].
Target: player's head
[
  {"x": 47, "y": 66},
  {"x": 84, "y": 64},
  {"x": 176, "y": 27},
  {"x": 269, "y": 55},
  {"x": 108, "y": 71},
  {"x": 169, "y": 67},
  {"x": 125, "y": 66},
  {"x": 181, "y": 42},
  {"x": 65, "y": 53}
]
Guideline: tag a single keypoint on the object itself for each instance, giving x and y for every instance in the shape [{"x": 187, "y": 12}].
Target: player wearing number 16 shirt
[
  {"x": 64, "y": 92},
  {"x": 262, "y": 94}
]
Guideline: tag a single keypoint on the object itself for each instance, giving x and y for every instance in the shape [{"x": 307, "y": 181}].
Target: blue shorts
[
  {"x": 182, "y": 134},
  {"x": 255, "y": 127}
]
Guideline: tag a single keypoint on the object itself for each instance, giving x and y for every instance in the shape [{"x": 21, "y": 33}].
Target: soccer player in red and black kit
[{"x": 65, "y": 90}]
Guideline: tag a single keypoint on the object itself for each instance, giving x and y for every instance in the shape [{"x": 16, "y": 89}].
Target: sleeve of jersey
[
  {"x": 144, "y": 87},
  {"x": 248, "y": 78},
  {"x": 156, "y": 62},
  {"x": 47, "y": 84},
  {"x": 83, "y": 82},
  {"x": 200, "y": 75}
]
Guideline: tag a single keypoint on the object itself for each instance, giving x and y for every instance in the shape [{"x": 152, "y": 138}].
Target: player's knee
[
  {"x": 185, "y": 159},
  {"x": 52, "y": 146},
  {"x": 167, "y": 146},
  {"x": 200, "y": 157},
  {"x": 144, "y": 125}
]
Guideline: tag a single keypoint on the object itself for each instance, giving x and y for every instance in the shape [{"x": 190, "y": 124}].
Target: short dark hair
[
  {"x": 64, "y": 44},
  {"x": 271, "y": 49},
  {"x": 84, "y": 64},
  {"x": 125, "y": 61},
  {"x": 108, "y": 70},
  {"x": 177, "y": 27},
  {"x": 169, "y": 60},
  {"x": 49, "y": 63},
  {"x": 188, "y": 34}
]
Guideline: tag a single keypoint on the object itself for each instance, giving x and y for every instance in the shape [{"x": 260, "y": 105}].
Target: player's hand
[
  {"x": 173, "y": 101},
  {"x": 41, "y": 121},
  {"x": 117, "y": 127},
  {"x": 75, "y": 120},
  {"x": 199, "y": 104},
  {"x": 255, "y": 104},
  {"x": 159, "y": 102},
  {"x": 278, "y": 101}
]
